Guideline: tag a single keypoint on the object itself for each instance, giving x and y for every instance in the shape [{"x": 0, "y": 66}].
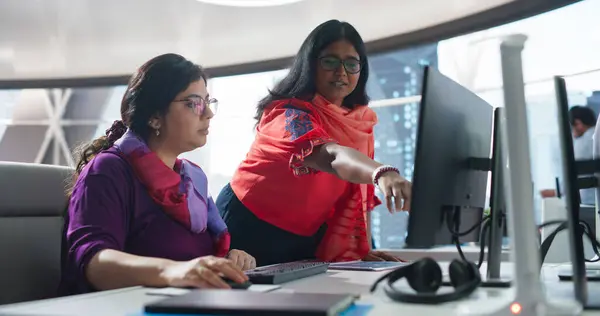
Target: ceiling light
[{"x": 249, "y": 3}]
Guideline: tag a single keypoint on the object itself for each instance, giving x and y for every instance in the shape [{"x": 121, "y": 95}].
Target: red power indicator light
[{"x": 516, "y": 308}]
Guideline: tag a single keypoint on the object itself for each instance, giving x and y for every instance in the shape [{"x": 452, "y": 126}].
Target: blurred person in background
[
  {"x": 583, "y": 124},
  {"x": 307, "y": 184},
  {"x": 137, "y": 214}
]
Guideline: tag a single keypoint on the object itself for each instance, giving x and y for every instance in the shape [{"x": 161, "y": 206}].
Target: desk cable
[
  {"x": 585, "y": 228},
  {"x": 484, "y": 223}
]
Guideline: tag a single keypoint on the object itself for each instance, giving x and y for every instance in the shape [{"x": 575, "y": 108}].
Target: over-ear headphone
[{"x": 425, "y": 277}]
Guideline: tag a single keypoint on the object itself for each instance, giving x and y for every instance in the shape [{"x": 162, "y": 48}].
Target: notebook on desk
[{"x": 222, "y": 302}]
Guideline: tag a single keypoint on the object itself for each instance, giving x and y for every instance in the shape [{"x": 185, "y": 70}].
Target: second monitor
[{"x": 451, "y": 162}]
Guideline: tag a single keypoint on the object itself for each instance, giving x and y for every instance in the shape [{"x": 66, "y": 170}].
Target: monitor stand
[
  {"x": 592, "y": 271},
  {"x": 493, "y": 232},
  {"x": 496, "y": 282},
  {"x": 593, "y": 294},
  {"x": 493, "y": 278},
  {"x": 593, "y": 300},
  {"x": 528, "y": 297}
]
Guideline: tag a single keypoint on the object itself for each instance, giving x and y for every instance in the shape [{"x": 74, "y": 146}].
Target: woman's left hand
[
  {"x": 395, "y": 187},
  {"x": 380, "y": 256},
  {"x": 242, "y": 259}
]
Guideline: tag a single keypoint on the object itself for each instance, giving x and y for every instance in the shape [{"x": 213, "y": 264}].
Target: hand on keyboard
[
  {"x": 242, "y": 259},
  {"x": 203, "y": 272}
]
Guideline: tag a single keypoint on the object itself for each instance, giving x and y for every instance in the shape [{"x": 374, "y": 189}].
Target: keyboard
[{"x": 286, "y": 272}]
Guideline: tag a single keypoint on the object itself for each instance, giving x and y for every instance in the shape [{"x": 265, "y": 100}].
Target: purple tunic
[{"x": 110, "y": 209}]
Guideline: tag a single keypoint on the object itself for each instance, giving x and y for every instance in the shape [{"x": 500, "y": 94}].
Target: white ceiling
[{"x": 42, "y": 39}]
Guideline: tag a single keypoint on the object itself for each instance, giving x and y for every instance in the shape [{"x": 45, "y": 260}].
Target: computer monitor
[
  {"x": 571, "y": 170},
  {"x": 498, "y": 227},
  {"x": 453, "y": 141}
]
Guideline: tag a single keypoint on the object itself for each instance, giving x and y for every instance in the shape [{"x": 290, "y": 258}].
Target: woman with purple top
[{"x": 138, "y": 215}]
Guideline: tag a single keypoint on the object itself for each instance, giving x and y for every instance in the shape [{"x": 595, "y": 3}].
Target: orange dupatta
[
  {"x": 273, "y": 171},
  {"x": 346, "y": 236}
]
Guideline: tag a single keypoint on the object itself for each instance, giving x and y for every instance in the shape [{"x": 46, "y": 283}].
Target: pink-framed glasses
[{"x": 199, "y": 105}]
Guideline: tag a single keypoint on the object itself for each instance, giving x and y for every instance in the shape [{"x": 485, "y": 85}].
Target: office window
[
  {"x": 8, "y": 101},
  {"x": 112, "y": 110},
  {"x": 232, "y": 129},
  {"x": 46, "y": 125},
  {"x": 394, "y": 78},
  {"x": 556, "y": 46}
]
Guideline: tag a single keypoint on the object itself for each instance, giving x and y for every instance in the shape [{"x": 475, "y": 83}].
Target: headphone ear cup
[
  {"x": 462, "y": 272},
  {"x": 425, "y": 276}
]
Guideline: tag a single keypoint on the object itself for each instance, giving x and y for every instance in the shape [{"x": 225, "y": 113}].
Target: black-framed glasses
[
  {"x": 199, "y": 105},
  {"x": 331, "y": 63}
]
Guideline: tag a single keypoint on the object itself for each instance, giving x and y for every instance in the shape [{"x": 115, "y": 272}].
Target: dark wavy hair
[
  {"x": 583, "y": 113},
  {"x": 300, "y": 81},
  {"x": 150, "y": 91}
]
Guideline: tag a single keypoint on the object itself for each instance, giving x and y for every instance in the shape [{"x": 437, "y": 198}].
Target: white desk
[{"x": 130, "y": 301}]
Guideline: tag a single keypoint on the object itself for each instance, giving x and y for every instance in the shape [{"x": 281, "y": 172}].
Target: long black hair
[
  {"x": 300, "y": 81},
  {"x": 150, "y": 92}
]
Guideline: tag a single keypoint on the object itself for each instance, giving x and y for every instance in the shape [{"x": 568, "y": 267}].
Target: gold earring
[{"x": 157, "y": 132}]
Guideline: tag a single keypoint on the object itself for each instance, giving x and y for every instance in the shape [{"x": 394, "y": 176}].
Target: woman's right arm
[{"x": 111, "y": 269}]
